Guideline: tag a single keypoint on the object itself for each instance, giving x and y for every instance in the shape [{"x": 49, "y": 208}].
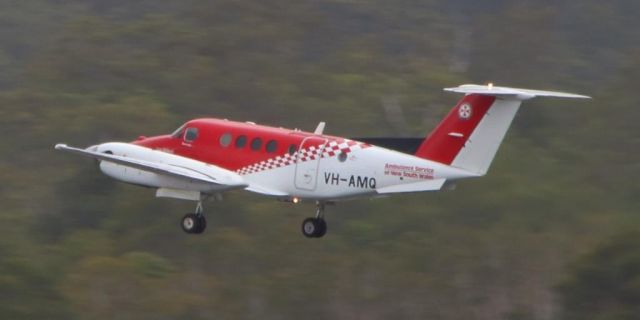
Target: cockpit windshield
[{"x": 178, "y": 133}]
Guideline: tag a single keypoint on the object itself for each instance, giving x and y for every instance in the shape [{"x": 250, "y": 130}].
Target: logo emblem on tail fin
[{"x": 465, "y": 111}]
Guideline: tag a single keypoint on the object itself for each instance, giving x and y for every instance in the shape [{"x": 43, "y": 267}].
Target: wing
[{"x": 159, "y": 168}]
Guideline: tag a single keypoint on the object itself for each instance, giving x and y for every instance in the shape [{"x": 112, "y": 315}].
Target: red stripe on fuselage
[{"x": 445, "y": 142}]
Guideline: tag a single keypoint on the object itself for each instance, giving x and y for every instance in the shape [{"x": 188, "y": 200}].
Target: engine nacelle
[{"x": 150, "y": 179}]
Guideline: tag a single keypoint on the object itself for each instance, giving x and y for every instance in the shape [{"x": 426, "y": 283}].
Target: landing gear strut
[
  {"x": 194, "y": 223},
  {"x": 315, "y": 227}
]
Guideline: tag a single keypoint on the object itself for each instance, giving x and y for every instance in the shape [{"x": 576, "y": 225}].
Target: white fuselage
[{"x": 362, "y": 173}]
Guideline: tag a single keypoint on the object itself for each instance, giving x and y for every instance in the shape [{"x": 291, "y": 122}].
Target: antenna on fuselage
[{"x": 320, "y": 128}]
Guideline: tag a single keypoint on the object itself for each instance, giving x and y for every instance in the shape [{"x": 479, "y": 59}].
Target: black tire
[
  {"x": 322, "y": 228},
  {"x": 189, "y": 223},
  {"x": 202, "y": 223},
  {"x": 309, "y": 227}
]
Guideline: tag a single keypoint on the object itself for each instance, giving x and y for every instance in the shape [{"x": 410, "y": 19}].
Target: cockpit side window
[{"x": 190, "y": 135}]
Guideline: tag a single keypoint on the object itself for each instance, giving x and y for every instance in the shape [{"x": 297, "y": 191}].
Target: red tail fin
[{"x": 445, "y": 142}]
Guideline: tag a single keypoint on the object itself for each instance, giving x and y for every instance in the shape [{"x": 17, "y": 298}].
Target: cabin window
[
  {"x": 342, "y": 157},
  {"x": 190, "y": 135},
  {"x": 241, "y": 141},
  {"x": 225, "y": 139},
  {"x": 292, "y": 149},
  {"x": 256, "y": 143},
  {"x": 272, "y": 146}
]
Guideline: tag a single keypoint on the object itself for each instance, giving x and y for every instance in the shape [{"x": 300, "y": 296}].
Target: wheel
[
  {"x": 322, "y": 228},
  {"x": 189, "y": 223},
  {"x": 193, "y": 223},
  {"x": 309, "y": 227},
  {"x": 202, "y": 223},
  {"x": 314, "y": 227}
]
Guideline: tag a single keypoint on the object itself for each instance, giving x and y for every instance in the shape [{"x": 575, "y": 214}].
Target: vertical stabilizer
[{"x": 469, "y": 136}]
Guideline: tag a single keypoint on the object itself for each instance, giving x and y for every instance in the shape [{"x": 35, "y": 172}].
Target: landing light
[
  {"x": 490, "y": 85},
  {"x": 295, "y": 200}
]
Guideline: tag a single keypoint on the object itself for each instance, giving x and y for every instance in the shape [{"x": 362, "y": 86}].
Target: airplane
[{"x": 206, "y": 157}]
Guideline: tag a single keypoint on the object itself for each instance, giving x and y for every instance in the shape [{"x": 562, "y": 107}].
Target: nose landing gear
[
  {"x": 194, "y": 223},
  {"x": 315, "y": 227}
]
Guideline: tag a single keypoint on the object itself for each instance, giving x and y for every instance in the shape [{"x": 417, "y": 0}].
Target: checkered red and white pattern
[{"x": 331, "y": 149}]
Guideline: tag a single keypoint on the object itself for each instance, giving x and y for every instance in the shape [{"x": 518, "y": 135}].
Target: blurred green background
[{"x": 551, "y": 233}]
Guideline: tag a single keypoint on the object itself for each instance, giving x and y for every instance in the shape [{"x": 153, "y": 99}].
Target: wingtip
[{"x": 60, "y": 146}]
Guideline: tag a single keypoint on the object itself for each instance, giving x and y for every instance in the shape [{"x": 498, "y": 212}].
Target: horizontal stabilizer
[
  {"x": 507, "y": 92},
  {"x": 429, "y": 185}
]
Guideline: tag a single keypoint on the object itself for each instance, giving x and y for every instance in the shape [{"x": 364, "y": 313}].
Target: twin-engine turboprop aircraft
[{"x": 206, "y": 157}]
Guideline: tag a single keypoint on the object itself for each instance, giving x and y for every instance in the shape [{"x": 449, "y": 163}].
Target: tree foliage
[{"x": 605, "y": 284}]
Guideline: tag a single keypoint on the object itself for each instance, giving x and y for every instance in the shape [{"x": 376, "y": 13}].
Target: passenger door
[{"x": 307, "y": 163}]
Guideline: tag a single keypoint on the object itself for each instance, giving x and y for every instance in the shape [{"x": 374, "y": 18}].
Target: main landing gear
[
  {"x": 315, "y": 227},
  {"x": 194, "y": 223}
]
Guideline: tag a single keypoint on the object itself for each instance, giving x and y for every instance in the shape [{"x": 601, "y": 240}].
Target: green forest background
[{"x": 551, "y": 233}]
